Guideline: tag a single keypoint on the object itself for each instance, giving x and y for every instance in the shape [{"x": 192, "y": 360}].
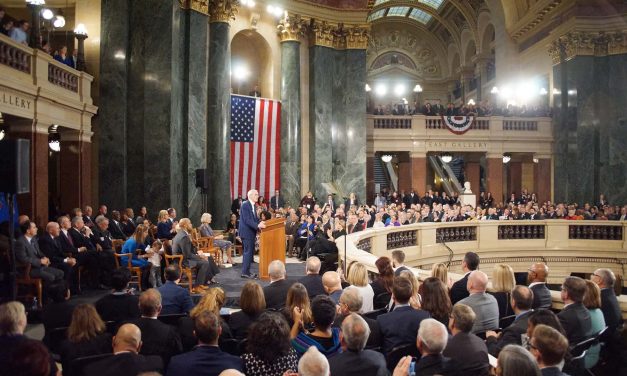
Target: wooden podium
[{"x": 271, "y": 245}]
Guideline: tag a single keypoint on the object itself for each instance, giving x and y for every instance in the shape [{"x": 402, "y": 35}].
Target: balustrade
[
  {"x": 595, "y": 232},
  {"x": 521, "y": 232},
  {"x": 456, "y": 234},
  {"x": 61, "y": 77},
  {"x": 520, "y": 125},
  {"x": 392, "y": 123},
  {"x": 436, "y": 123},
  {"x": 14, "y": 57},
  {"x": 365, "y": 245},
  {"x": 401, "y": 239}
]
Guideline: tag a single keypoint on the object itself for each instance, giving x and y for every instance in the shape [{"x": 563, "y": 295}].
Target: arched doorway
[{"x": 251, "y": 64}]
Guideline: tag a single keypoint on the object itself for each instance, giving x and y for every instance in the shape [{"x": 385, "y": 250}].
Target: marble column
[
  {"x": 75, "y": 169},
  {"x": 370, "y": 188},
  {"x": 495, "y": 177},
  {"x": 419, "y": 172},
  {"x": 218, "y": 111},
  {"x": 291, "y": 31}
]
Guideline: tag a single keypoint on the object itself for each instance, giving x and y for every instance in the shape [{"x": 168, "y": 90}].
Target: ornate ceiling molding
[
  {"x": 200, "y": 6},
  {"x": 357, "y": 37},
  {"x": 525, "y": 27},
  {"x": 587, "y": 43},
  {"x": 338, "y": 36},
  {"x": 222, "y": 10}
]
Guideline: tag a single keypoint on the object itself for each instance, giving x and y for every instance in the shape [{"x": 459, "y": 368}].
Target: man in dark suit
[
  {"x": 206, "y": 359},
  {"x": 174, "y": 298},
  {"x": 354, "y": 360},
  {"x": 353, "y": 224},
  {"x": 549, "y": 347},
  {"x": 115, "y": 226},
  {"x": 103, "y": 259},
  {"x": 521, "y": 301},
  {"x": 291, "y": 227},
  {"x": 248, "y": 225},
  {"x": 126, "y": 360},
  {"x": 182, "y": 245},
  {"x": 459, "y": 290},
  {"x": 605, "y": 279},
  {"x": 276, "y": 292},
  {"x": 351, "y": 303},
  {"x": 87, "y": 217},
  {"x": 398, "y": 259},
  {"x": 399, "y": 327},
  {"x": 27, "y": 252},
  {"x": 51, "y": 247},
  {"x": 121, "y": 305},
  {"x": 575, "y": 318},
  {"x": 157, "y": 338},
  {"x": 313, "y": 280},
  {"x": 536, "y": 277},
  {"x": 277, "y": 200},
  {"x": 468, "y": 353},
  {"x": 431, "y": 341}
]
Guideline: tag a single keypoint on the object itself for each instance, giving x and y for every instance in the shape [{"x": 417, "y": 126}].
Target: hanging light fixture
[
  {"x": 54, "y": 139},
  {"x": 506, "y": 158},
  {"x": 387, "y": 158},
  {"x": 447, "y": 157},
  {"x": 59, "y": 20}
]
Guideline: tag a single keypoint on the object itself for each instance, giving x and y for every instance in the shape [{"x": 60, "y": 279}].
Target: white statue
[{"x": 467, "y": 190}]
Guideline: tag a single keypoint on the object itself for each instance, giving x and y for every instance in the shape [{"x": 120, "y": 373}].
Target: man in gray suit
[
  {"x": 27, "y": 252},
  {"x": 182, "y": 244},
  {"x": 484, "y": 305}
]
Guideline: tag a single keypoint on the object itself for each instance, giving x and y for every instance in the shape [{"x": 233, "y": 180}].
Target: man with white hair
[
  {"x": 249, "y": 224},
  {"x": 276, "y": 292},
  {"x": 351, "y": 302},
  {"x": 354, "y": 360},
  {"x": 313, "y": 280},
  {"x": 605, "y": 279},
  {"x": 313, "y": 363},
  {"x": 483, "y": 304},
  {"x": 431, "y": 341}
]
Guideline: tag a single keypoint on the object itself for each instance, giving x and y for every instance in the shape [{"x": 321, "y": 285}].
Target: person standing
[{"x": 248, "y": 225}]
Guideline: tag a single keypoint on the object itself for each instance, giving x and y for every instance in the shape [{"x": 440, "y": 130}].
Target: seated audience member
[
  {"x": 297, "y": 296},
  {"x": 542, "y": 317},
  {"x": 398, "y": 258},
  {"x": 415, "y": 299},
  {"x": 435, "y": 299},
  {"x": 174, "y": 298},
  {"x": 130, "y": 247},
  {"x": 383, "y": 282},
  {"x": 574, "y": 317},
  {"x": 354, "y": 360},
  {"x": 83, "y": 251},
  {"x": 313, "y": 363},
  {"x": 218, "y": 240},
  {"x": 440, "y": 271},
  {"x": 358, "y": 278},
  {"x": 514, "y": 360},
  {"x": 57, "y": 314},
  {"x": 165, "y": 228},
  {"x": 592, "y": 302},
  {"x": 115, "y": 226},
  {"x": 605, "y": 279},
  {"x": 86, "y": 336},
  {"x": 252, "y": 304},
  {"x": 313, "y": 280},
  {"x": 27, "y": 252},
  {"x": 351, "y": 302},
  {"x": 29, "y": 358},
  {"x": 51, "y": 247},
  {"x": 325, "y": 337},
  {"x": 121, "y": 305},
  {"x": 503, "y": 282},
  {"x": 126, "y": 360},
  {"x": 431, "y": 341},
  {"x": 399, "y": 327},
  {"x": 12, "y": 324},
  {"x": 468, "y": 353},
  {"x": 276, "y": 292},
  {"x": 549, "y": 347},
  {"x": 213, "y": 301},
  {"x": 157, "y": 338},
  {"x": 268, "y": 350},
  {"x": 459, "y": 290},
  {"x": 521, "y": 301},
  {"x": 182, "y": 245},
  {"x": 128, "y": 222},
  {"x": 483, "y": 304},
  {"x": 332, "y": 285},
  {"x": 206, "y": 359},
  {"x": 536, "y": 277}
]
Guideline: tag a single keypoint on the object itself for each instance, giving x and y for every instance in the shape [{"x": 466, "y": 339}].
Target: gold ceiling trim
[
  {"x": 200, "y": 6},
  {"x": 525, "y": 26},
  {"x": 587, "y": 43}
]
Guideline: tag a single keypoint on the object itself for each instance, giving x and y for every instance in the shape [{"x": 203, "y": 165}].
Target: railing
[
  {"x": 592, "y": 232},
  {"x": 61, "y": 77},
  {"x": 14, "y": 57},
  {"x": 521, "y": 231},
  {"x": 456, "y": 234},
  {"x": 365, "y": 245},
  {"x": 392, "y": 123},
  {"x": 437, "y": 123},
  {"x": 520, "y": 125},
  {"x": 400, "y": 239}
]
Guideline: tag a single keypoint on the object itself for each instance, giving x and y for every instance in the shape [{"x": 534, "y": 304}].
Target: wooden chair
[
  {"x": 117, "y": 245},
  {"x": 134, "y": 269},
  {"x": 205, "y": 245},
  {"x": 185, "y": 272},
  {"x": 24, "y": 279}
]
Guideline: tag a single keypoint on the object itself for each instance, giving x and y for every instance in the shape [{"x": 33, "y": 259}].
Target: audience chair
[
  {"x": 205, "y": 245},
  {"x": 374, "y": 314},
  {"x": 117, "y": 245},
  {"x": 506, "y": 321},
  {"x": 382, "y": 300},
  {"x": 136, "y": 270},
  {"x": 78, "y": 365},
  {"x": 54, "y": 338},
  {"x": 112, "y": 327},
  {"x": 185, "y": 272},
  {"x": 394, "y": 356},
  {"x": 24, "y": 279},
  {"x": 172, "y": 319}
]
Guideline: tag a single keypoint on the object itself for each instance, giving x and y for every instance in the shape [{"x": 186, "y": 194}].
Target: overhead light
[
  {"x": 2, "y": 133},
  {"x": 387, "y": 158},
  {"x": 405, "y": 100},
  {"x": 80, "y": 29},
  {"x": 275, "y": 10},
  {"x": 36, "y": 2},
  {"x": 368, "y": 88},
  {"x": 471, "y": 102},
  {"x": 241, "y": 72},
  {"x": 446, "y": 158},
  {"x": 248, "y": 3},
  {"x": 54, "y": 141},
  {"x": 119, "y": 55},
  {"x": 417, "y": 88},
  {"x": 47, "y": 14},
  {"x": 399, "y": 89},
  {"x": 59, "y": 21},
  {"x": 381, "y": 89},
  {"x": 506, "y": 158},
  {"x": 495, "y": 90},
  {"x": 535, "y": 159}
]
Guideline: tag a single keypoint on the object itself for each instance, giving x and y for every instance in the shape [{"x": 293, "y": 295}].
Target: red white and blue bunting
[{"x": 458, "y": 124}]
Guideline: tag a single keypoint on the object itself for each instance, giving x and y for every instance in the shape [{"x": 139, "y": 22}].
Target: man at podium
[{"x": 249, "y": 224}]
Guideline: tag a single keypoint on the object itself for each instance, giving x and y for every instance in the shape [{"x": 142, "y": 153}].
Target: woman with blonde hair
[
  {"x": 165, "y": 228},
  {"x": 86, "y": 336},
  {"x": 440, "y": 271},
  {"x": 358, "y": 277},
  {"x": 297, "y": 296},
  {"x": 218, "y": 240},
  {"x": 503, "y": 282},
  {"x": 213, "y": 300}
]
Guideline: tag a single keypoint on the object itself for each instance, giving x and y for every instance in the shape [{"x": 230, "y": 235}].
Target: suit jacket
[
  {"x": 124, "y": 364},
  {"x": 313, "y": 284},
  {"x": 374, "y": 340},
  {"x": 487, "y": 310},
  {"x": 291, "y": 228},
  {"x": 102, "y": 237},
  {"x": 182, "y": 245},
  {"x": 239, "y": 322},
  {"x": 52, "y": 249},
  {"x": 576, "y": 321},
  {"x": 203, "y": 361},
  {"x": 356, "y": 228},
  {"x": 89, "y": 222},
  {"x": 358, "y": 363},
  {"x": 118, "y": 307},
  {"x": 159, "y": 339},
  {"x": 610, "y": 309},
  {"x": 248, "y": 221},
  {"x": 28, "y": 253},
  {"x": 468, "y": 354},
  {"x": 80, "y": 240},
  {"x": 174, "y": 299},
  {"x": 276, "y": 293},
  {"x": 552, "y": 371},
  {"x": 510, "y": 335},
  {"x": 115, "y": 228},
  {"x": 459, "y": 290},
  {"x": 400, "y": 326},
  {"x": 273, "y": 202},
  {"x": 541, "y": 296},
  {"x": 67, "y": 246},
  {"x": 433, "y": 365}
]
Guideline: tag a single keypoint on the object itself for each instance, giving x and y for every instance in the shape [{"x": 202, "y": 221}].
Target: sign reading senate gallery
[{"x": 456, "y": 145}]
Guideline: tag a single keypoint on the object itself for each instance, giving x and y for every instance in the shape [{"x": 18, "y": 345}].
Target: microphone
[{"x": 450, "y": 252}]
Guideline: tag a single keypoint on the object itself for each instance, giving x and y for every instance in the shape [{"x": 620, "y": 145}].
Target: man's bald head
[
  {"x": 538, "y": 272},
  {"x": 331, "y": 282},
  {"x": 477, "y": 282},
  {"x": 128, "y": 338}
]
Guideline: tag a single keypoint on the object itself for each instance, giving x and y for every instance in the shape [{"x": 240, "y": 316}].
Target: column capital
[
  {"x": 199, "y": 6},
  {"x": 292, "y": 28},
  {"x": 222, "y": 10},
  {"x": 323, "y": 33},
  {"x": 588, "y": 43},
  {"x": 357, "y": 37}
]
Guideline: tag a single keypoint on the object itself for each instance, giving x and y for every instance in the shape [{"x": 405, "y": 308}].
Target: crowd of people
[{"x": 483, "y": 108}]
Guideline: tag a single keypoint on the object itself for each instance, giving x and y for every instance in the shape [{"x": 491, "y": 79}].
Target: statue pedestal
[{"x": 468, "y": 199}]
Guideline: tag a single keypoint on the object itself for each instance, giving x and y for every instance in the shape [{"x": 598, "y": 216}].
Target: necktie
[{"x": 69, "y": 239}]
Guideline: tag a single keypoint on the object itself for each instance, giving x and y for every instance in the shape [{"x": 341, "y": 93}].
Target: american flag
[{"x": 255, "y": 145}]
